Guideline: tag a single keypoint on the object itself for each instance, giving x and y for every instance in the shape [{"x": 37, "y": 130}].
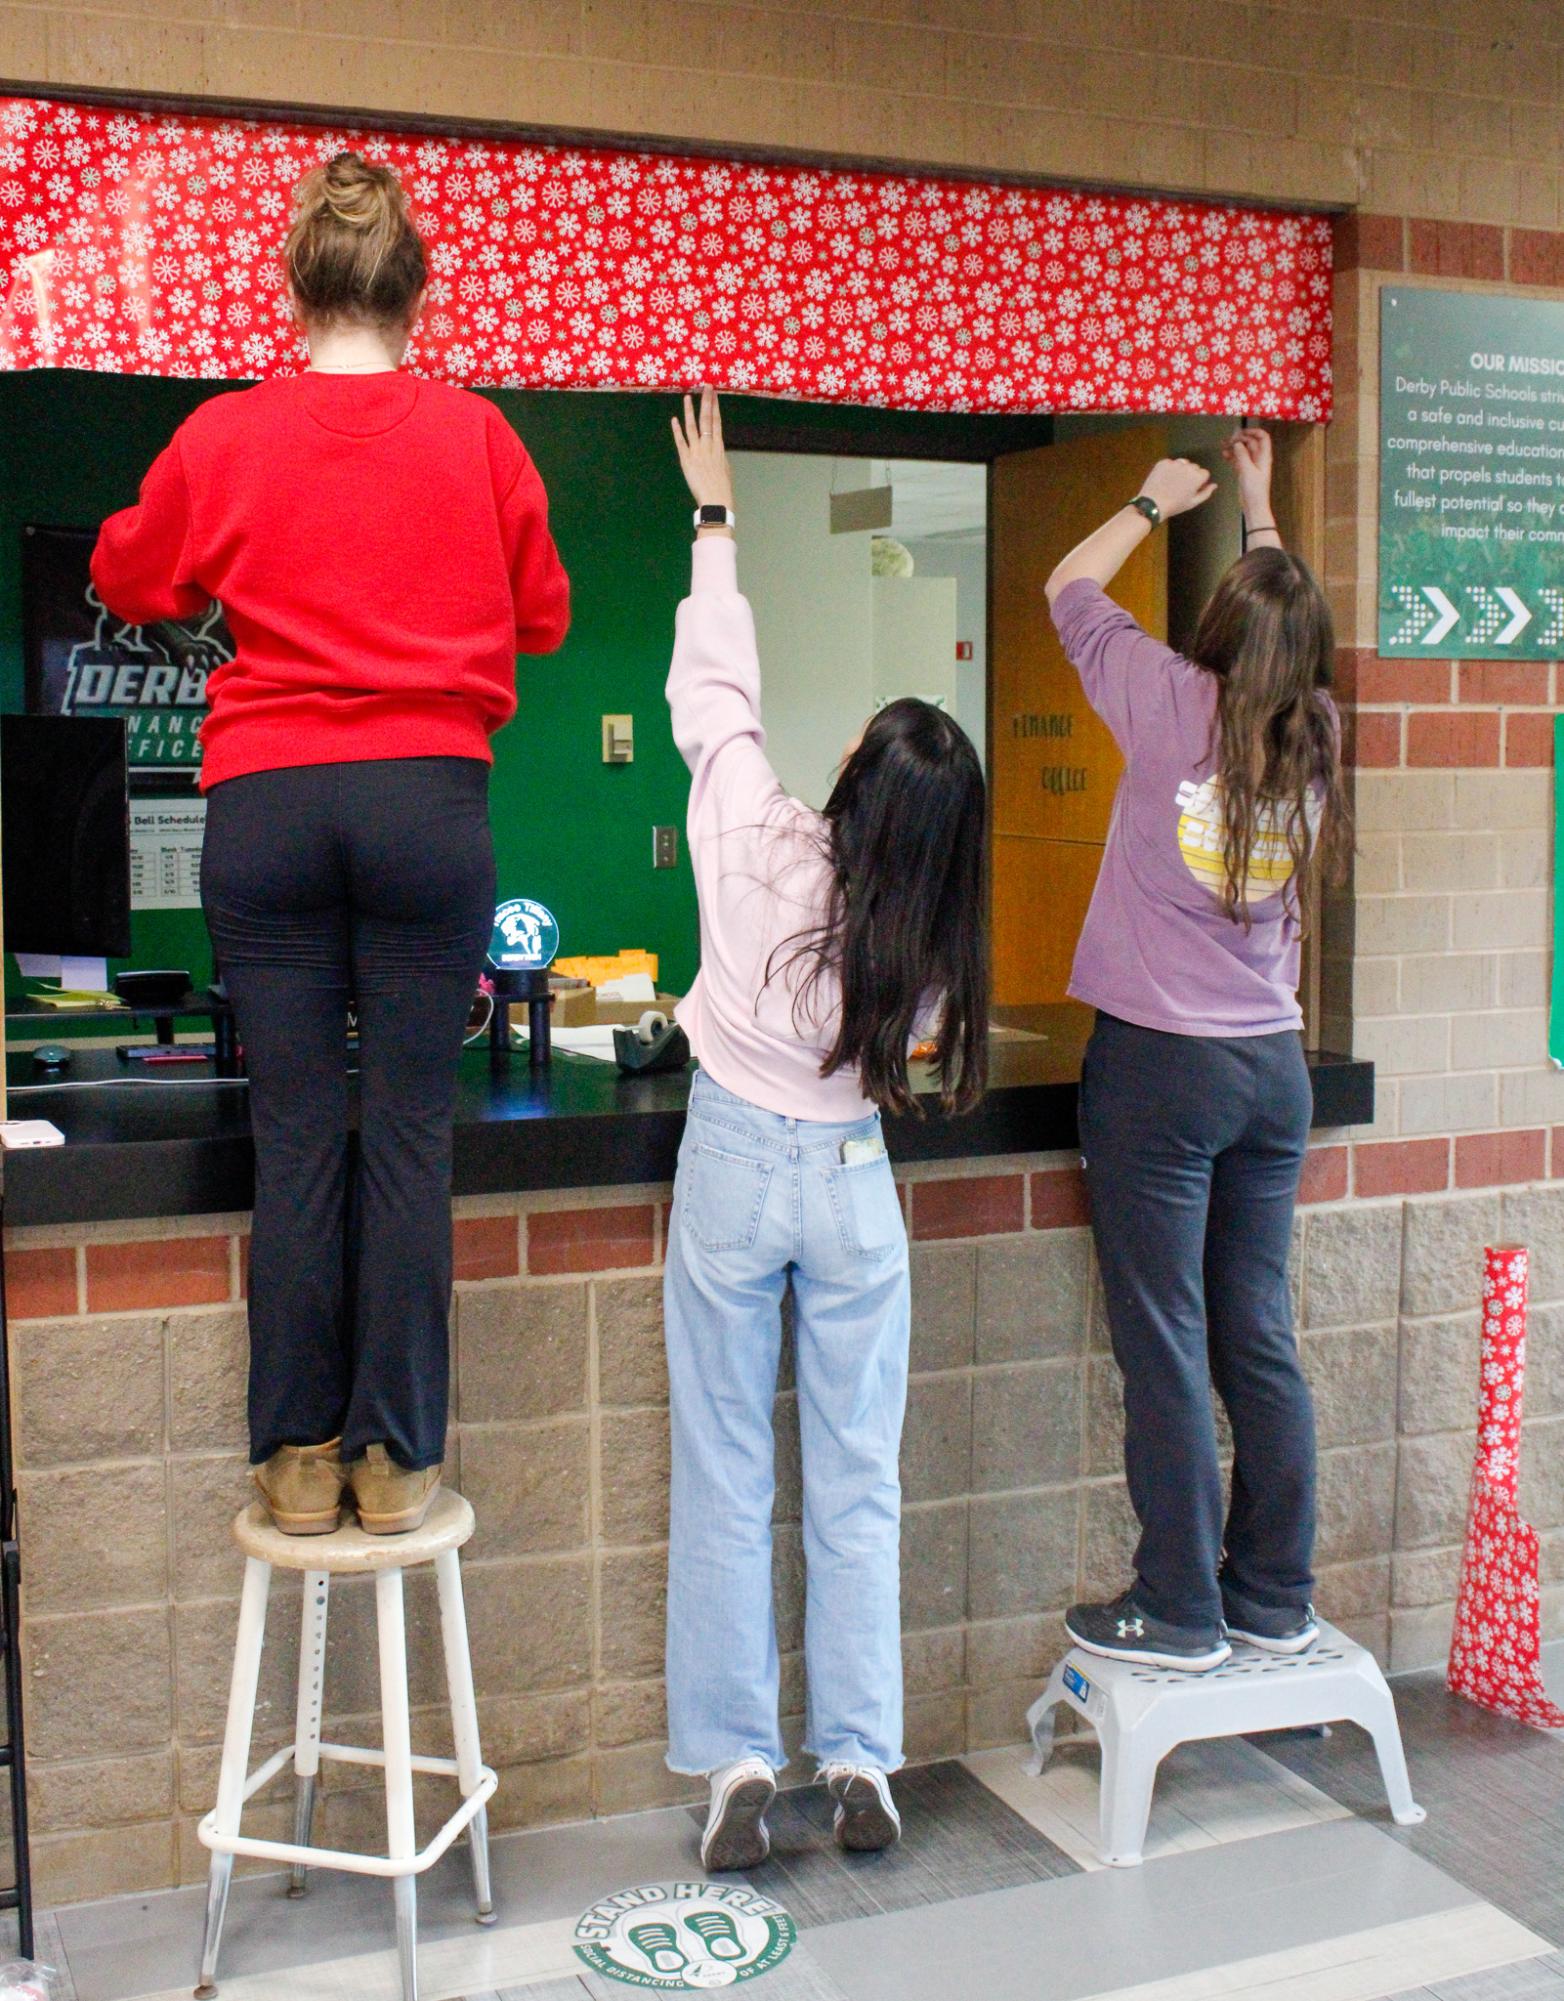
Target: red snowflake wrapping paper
[
  {"x": 1496, "y": 1647},
  {"x": 148, "y": 244}
]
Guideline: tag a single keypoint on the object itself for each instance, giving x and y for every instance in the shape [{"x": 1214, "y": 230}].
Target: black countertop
[{"x": 182, "y": 1147}]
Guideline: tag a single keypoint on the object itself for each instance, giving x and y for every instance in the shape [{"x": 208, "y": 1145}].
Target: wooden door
[{"x": 1053, "y": 765}]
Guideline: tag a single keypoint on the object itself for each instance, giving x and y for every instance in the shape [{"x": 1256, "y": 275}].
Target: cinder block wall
[
  {"x": 1445, "y": 109},
  {"x": 130, "y": 1354}
]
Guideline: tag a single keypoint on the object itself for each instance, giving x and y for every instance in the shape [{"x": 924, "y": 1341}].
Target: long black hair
[{"x": 903, "y": 932}]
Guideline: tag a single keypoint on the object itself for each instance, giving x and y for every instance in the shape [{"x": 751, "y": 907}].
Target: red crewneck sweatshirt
[{"x": 381, "y": 550}]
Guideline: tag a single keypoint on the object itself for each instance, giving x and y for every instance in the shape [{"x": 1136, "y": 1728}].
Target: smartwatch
[
  {"x": 1144, "y": 504},
  {"x": 712, "y": 516}
]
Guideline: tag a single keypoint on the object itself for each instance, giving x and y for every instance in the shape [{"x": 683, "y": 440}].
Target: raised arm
[
  {"x": 1249, "y": 453},
  {"x": 1173, "y": 486},
  {"x": 714, "y": 682}
]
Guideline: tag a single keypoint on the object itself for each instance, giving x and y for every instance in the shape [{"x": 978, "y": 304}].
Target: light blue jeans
[{"x": 760, "y": 1199}]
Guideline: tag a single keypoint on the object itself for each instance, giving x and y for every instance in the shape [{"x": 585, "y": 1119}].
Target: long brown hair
[
  {"x": 903, "y": 928},
  {"x": 353, "y": 256},
  {"x": 1267, "y": 636}
]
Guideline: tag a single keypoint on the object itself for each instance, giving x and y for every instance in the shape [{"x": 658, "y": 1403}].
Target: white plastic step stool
[{"x": 1141, "y": 1713}]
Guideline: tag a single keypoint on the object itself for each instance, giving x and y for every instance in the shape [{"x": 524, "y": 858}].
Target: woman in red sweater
[{"x": 380, "y": 546}]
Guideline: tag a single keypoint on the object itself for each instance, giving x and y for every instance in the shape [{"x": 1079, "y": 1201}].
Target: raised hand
[
  {"x": 1177, "y": 485},
  {"x": 1248, "y": 452},
  {"x": 702, "y": 456}
]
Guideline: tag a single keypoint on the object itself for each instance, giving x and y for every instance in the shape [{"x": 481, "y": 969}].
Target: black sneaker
[
  {"x": 1124, "y": 1631},
  {"x": 1288, "y": 1629}
]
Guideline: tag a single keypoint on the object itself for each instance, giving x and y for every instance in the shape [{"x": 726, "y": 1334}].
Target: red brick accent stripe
[
  {"x": 1366, "y": 242},
  {"x": 1371, "y": 739},
  {"x": 1401, "y": 1167},
  {"x": 1439, "y": 249},
  {"x": 566, "y": 1240},
  {"x": 1523, "y": 683},
  {"x": 1325, "y": 1173},
  {"x": 486, "y": 1246},
  {"x": 157, "y": 1271},
  {"x": 979, "y": 1205},
  {"x": 1059, "y": 1199},
  {"x": 1456, "y": 249},
  {"x": 40, "y": 1284},
  {"x": 1491, "y": 1160},
  {"x": 1421, "y": 681},
  {"x": 1528, "y": 737},
  {"x": 1450, "y": 738}
]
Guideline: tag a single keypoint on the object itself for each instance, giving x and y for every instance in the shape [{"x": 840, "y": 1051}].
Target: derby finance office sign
[{"x": 1471, "y": 454}]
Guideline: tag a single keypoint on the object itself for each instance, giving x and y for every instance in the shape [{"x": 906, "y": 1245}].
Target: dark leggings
[
  {"x": 325, "y": 883},
  {"x": 1193, "y": 1148}
]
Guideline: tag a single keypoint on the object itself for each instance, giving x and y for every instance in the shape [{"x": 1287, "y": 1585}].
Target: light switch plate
[
  {"x": 665, "y": 847},
  {"x": 619, "y": 739}
]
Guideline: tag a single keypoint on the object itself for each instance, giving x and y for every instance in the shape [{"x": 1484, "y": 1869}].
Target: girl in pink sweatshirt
[{"x": 829, "y": 941}]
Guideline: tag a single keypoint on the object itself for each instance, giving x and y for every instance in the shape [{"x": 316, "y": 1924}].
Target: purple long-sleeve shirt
[{"x": 1158, "y": 947}]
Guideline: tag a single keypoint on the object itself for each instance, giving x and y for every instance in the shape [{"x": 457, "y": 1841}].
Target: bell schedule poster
[{"x": 1471, "y": 504}]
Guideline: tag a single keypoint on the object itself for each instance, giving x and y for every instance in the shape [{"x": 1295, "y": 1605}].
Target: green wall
[{"x": 569, "y": 829}]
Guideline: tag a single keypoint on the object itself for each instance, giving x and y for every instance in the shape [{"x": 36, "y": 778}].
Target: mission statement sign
[{"x": 1471, "y": 457}]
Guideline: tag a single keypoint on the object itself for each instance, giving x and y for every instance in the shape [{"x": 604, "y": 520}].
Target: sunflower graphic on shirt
[{"x": 1200, "y": 833}]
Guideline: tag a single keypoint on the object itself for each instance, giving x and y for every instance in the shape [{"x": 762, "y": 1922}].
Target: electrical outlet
[{"x": 665, "y": 847}]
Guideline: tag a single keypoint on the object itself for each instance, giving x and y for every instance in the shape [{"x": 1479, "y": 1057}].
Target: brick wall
[
  {"x": 1436, "y": 964},
  {"x": 130, "y": 1353},
  {"x": 1443, "y": 110}
]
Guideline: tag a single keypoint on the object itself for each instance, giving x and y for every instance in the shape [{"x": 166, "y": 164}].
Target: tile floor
[{"x": 1272, "y": 1870}]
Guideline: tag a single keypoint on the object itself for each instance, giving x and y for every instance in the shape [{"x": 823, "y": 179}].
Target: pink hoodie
[{"x": 761, "y": 872}]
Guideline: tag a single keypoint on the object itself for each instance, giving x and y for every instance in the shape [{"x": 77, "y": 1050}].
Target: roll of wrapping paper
[{"x": 1495, "y": 1649}]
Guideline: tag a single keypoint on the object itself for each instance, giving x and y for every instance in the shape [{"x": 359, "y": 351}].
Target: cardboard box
[{"x": 579, "y": 1007}]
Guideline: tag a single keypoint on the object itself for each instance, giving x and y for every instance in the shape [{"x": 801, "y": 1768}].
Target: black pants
[
  {"x": 321, "y": 884},
  {"x": 1193, "y": 1149}
]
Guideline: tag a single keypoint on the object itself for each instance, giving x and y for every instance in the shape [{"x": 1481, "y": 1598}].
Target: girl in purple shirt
[{"x": 1195, "y": 1098}]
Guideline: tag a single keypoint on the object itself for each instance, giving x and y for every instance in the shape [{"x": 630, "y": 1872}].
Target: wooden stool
[{"x": 449, "y": 1524}]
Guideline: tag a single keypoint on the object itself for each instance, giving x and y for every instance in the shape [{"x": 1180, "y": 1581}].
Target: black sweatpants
[
  {"x": 1193, "y": 1147},
  {"x": 323, "y": 883}
]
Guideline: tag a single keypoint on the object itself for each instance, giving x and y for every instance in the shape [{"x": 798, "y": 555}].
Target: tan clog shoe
[
  {"x": 390, "y": 1499},
  {"x": 302, "y": 1487}
]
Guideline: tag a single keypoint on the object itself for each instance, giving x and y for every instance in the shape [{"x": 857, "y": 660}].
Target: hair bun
[{"x": 353, "y": 253}]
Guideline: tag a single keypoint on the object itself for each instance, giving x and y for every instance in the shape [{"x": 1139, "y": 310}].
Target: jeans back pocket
[
  {"x": 721, "y": 1196},
  {"x": 867, "y": 1206}
]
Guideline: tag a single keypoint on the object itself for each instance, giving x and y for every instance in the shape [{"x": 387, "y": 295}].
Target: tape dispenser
[{"x": 655, "y": 1043}]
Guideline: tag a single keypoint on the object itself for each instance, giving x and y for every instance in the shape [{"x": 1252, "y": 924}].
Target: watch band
[
  {"x": 1144, "y": 504},
  {"x": 712, "y": 516}
]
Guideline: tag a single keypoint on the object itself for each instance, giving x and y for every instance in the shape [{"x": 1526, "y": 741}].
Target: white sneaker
[
  {"x": 866, "y": 1816},
  {"x": 736, "y": 1835}
]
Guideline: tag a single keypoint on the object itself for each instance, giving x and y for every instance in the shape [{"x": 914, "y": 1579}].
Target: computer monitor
[{"x": 65, "y": 835}]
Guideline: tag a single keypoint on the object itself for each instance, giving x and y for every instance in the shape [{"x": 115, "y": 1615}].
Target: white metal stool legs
[
  {"x": 399, "y": 1767},
  {"x": 464, "y": 1721},
  {"x": 349, "y": 1550},
  {"x": 306, "y": 1729},
  {"x": 236, "y": 1758}
]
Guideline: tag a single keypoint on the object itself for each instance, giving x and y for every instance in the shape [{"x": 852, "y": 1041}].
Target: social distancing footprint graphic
[
  {"x": 659, "y": 1944},
  {"x": 717, "y": 1932}
]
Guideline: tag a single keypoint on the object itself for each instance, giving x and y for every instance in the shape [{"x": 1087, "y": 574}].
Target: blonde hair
[{"x": 353, "y": 255}]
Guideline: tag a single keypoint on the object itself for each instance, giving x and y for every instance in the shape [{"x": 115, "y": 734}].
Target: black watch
[
  {"x": 1144, "y": 504},
  {"x": 713, "y": 516}
]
